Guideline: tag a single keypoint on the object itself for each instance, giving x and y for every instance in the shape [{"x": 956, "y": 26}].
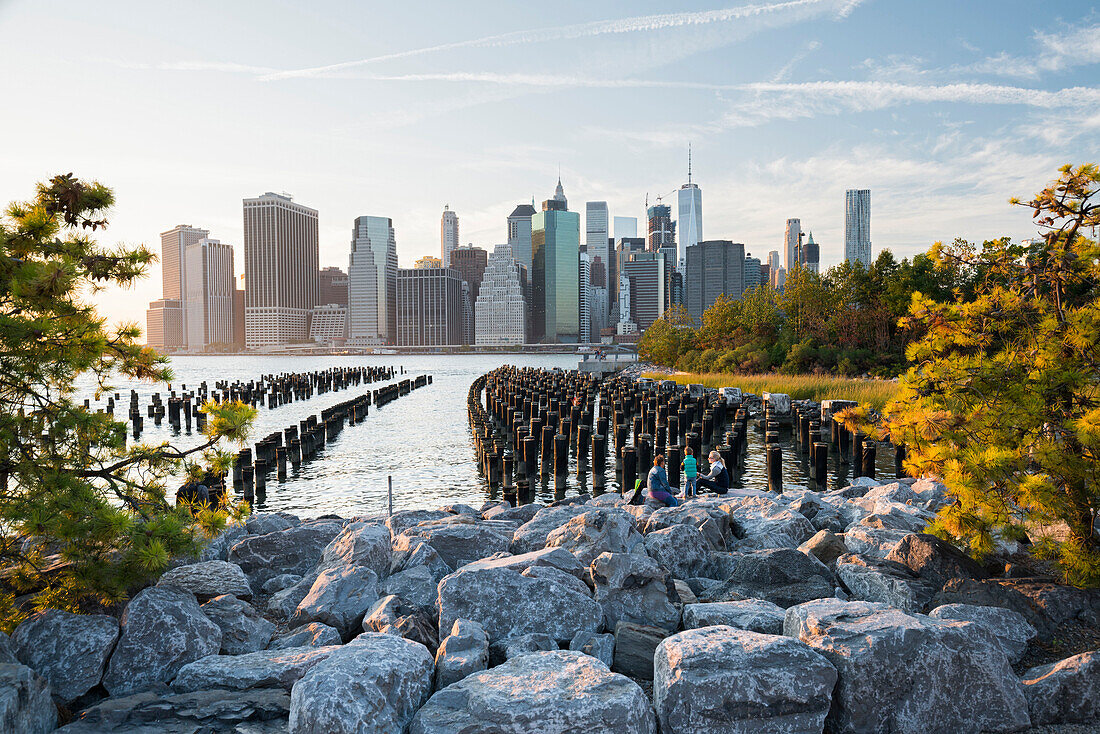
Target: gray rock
[
  {"x": 243, "y": 629},
  {"x": 7, "y": 654},
  {"x": 683, "y": 592},
  {"x": 282, "y": 603},
  {"x": 680, "y": 549},
  {"x": 416, "y": 554},
  {"x": 522, "y": 514},
  {"x": 558, "y": 558},
  {"x": 560, "y": 691},
  {"x": 597, "y": 531},
  {"x": 722, "y": 680},
  {"x": 755, "y": 615},
  {"x": 600, "y": 646},
  {"x": 163, "y": 629},
  {"x": 712, "y": 521},
  {"x": 822, "y": 515},
  {"x": 392, "y": 616},
  {"x": 294, "y": 550},
  {"x": 513, "y": 647},
  {"x": 934, "y": 560},
  {"x": 280, "y": 582},
  {"x": 313, "y": 634},
  {"x": 884, "y": 581},
  {"x": 632, "y": 588},
  {"x": 531, "y": 536},
  {"x": 463, "y": 652},
  {"x": 264, "y": 523},
  {"x": 610, "y": 499},
  {"x": 872, "y": 542},
  {"x": 26, "y": 706},
  {"x": 339, "y": 598},
  {"x": 262, "y": 669},
  {"x": 910, "y": 673},
  {"x": 635, "y": 645},
  {"x": 459, "y": 542},
  {"x": 360, "y": 545},
  {"x": 160, "y": 712},
  {"x": 208, "y": 579},
  {"x": 550, "y": 573},
  {"x": 372, "y": 685},
  {"x": 783, "y": 576},
  {"x": 507, "y": 603},
  {"x": 402, "y": 520},
  {"x": 69, "y": 650},
  {"x": 1010, "y": 628},
  {"x": 218, "y": 547},
  {"x": 1067, "y": 691},
  {"x": 825, "y": 546},
  {"x": 760, "y": 523},
  {"x": 415, "y": 585}
]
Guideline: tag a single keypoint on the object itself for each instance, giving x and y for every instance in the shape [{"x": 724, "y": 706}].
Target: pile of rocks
[{"x": 793, "y": 612}]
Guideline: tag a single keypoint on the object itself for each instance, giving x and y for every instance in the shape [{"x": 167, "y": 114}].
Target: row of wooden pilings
[{"x": 301, "y": 443}]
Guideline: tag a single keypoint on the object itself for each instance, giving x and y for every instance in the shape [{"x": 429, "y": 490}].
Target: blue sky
[{"x": 943, "y": 109}]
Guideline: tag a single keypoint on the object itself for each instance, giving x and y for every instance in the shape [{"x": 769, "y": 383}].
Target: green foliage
[
  {"x": 84, "y": 518},
  {"x": 1002, "y": 400}
]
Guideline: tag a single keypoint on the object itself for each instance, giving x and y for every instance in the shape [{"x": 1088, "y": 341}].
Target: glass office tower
[{"x": 555, "y": 254}]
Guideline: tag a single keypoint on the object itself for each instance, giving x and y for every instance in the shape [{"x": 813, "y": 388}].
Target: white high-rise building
[
  {"x": 584, "y": 298},
  {"x": 689, "y": 218},
  {"x": 280, "y": 270},
  {"x": 372, "y": 282},
  {"x": 790, "y": 243},
  {"x": 500, "y": 313},
  {"x": 208, "y": 310},
  {"x": 626, "y": 324},
  {"x": 625, "y": 227},
  {"x": 171, "y": 332},
  {"x": 857, "y": 226},
  {"x": 448, "y": 235},
  {"x": 597, "y": 235}
]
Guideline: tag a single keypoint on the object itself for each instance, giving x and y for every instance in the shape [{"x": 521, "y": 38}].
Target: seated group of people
[{"x": 717, "y": 480}]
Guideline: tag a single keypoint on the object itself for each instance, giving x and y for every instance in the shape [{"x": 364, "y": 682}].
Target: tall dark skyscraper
[
  {"x": 662, "y": 230},
  {"x": 429, "y": 307},
  {"x": 714, "y": 267},
  {"x": 332, "y": 286}
]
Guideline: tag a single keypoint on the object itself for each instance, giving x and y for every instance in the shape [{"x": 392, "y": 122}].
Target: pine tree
[{"x": 84, "y": 518}]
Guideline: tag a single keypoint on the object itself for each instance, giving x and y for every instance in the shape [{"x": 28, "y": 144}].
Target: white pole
[{"x": 389, "y": 481}]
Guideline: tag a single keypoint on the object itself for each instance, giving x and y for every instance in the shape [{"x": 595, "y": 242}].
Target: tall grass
[{"x": 875, "y": 393}]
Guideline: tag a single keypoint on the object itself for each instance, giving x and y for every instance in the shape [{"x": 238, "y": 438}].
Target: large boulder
[
  {"x": 521, "y": 514},
  {"x": 402, "y": 520},
  {"x": 631, "y": 587},
  {"x": 1008, "y": 627},
  {"x": 1044, "y": 604},
  {"x": 7, "y": 654},
  {"x": 26, "y": 705},
  {"x": 263, "y": 669},
  {"x": 218, "y": 547},
  {"x": 282, "y": 603},
  {"x": 822, "y": 515},
  {"x": 513, "y": 647},
  {"x": 163, "y": 629},
  {"x": 557, "y": 558},
  {"x": 758, "y": 523},
  {"x": 597, "y": 531},
  {"x": 910, "y": 673},
  {"x": 208, "y": 579},
  {"x": 507, "y": 603},
  {"x": 884, "y": 581},
  {"x": 563, "y": 691},
  {"x": 293, "y": 550},
  {"x": 826, "y": 546},
  {"x": 360, "y": 545},
  {"x": 600, "y": 646},
  {"x": 720, "y": 680},
  {"x": 459, "y": 541},
  {"x": 783, "y": 576},
  {"x": 680, "y": 549},
  {"x": 339, "y": 598},
  {"x": 415, "y": 585},
  {"x": 635, "y": 645},
  {"x": 69, "y": 650},
  {"x": 215, "y": 710},
  {"x": 934, "y": 560},
  {"x": 897, "y": 516},
  {"x": 390, "y": 615},
  {"x": 755, "y": 615},
  {"x": 463, "y": 652},
  {"x": 418, "y": 553},
  {"x": 531, "y": 536},
  {"x": 711, "y": 520},
  {"x": 372, "y": 685},
  {"x": 1064, "y": 692},
  {"x": 263, "y": 523},
  {"x": 313, "y": 634},
  {"x": 243, "y": 629},
  {"x": 872, "y": 542}
]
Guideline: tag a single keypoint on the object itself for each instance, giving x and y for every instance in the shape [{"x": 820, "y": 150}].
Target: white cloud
[{"x": 1057, "y": 51}]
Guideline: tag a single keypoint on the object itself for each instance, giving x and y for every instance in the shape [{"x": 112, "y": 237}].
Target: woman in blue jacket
[{"x": 659, "y": 488}]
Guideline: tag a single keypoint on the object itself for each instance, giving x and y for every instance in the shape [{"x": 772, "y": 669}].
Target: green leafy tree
[
  {"x": 84, "y": 518},
  {"x": 1002, "y": 400},
  {"x": 668, "y": 338}
]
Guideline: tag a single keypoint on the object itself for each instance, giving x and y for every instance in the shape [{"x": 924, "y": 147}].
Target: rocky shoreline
[{"x": 796, "y": 613}]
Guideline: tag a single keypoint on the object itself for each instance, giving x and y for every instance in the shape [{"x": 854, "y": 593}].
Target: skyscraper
[
  {"x": 624, "y": 248},
  {"x": 372, "y": 282},
  {"x": 790, "y": 243},
  {"x": 519, "y": 233},
  {"x": 280, "y": 268},
  {"x": 164, "y": 325},
  {"x": 857, "y": 226},
  {"x": 555, "y": 254},
  {"x": 500, "y": 314},
  {"x": 429, "y": 307},
  {"x": 584, "y": 298},
  {"x": 169, "y": 313},
  {"x": 597, "y": 237},
  {"x": 469, "y": 262},
  {"x": 647, "y": 273},
  {"x": 448, "y": 235},
  {"x": 662, "y": 230},
  {"x": 752, "y": 272},
  {"x": 714, "y": 268},
  {"x": 689, "y": 217},
  {"x": 209, "y": 296},
  {"x": 625, "y": 227},
  {"x": 559, "y": 195},
  {"x": 773, "y": 261},
  {"x": 332, "y": 287},
  {"x": 811, "y": 255}
]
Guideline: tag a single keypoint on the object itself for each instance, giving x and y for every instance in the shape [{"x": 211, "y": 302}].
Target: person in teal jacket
[{"x": 691, "y": 472}]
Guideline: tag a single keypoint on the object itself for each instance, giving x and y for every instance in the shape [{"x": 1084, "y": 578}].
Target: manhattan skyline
[{"x": 943, "y": 112}]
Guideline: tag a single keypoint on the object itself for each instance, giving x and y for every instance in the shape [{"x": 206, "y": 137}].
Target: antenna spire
[{"x": 689, "y": 162}]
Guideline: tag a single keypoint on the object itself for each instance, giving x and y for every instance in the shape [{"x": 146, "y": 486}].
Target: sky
[{"x": 943, "y": 109}]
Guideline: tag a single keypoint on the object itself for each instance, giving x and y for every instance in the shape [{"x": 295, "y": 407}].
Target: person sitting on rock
[
  {"x": 659, "y": 488},
  {"x": 718, "y": 479}
]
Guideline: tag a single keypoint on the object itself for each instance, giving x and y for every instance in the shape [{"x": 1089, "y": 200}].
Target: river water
[{"x": 422, "y": 440}]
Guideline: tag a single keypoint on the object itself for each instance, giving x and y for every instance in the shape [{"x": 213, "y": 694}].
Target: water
[{"x": 422, "y": 440}]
